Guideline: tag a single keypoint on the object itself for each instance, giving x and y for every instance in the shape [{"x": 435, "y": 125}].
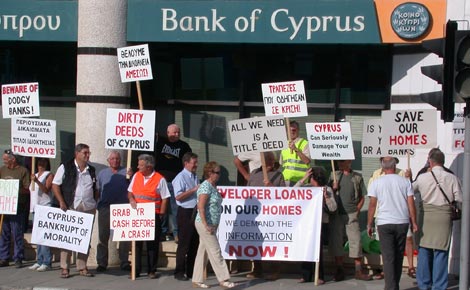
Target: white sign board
[
  {"x": 9, "y": 189},
  {"x": 404, "y": 129},
  {"x": 271, "y": 223},
  {"x": 134, "y": 63},
  {"x": 458, "y": 137},
  {"x": 20, "y": 100},
  {"x": 130, "y": 129},
  {"x": 287, "y": 99},
  {"x": 70, "y": 230},
  {"x": 130, "y": 224},
  {"x": 372, "y": 141},
  {"x": 33, "y": 137},
  {"x": 259, "y": 134},
  {"x": 330, "y": 141}
]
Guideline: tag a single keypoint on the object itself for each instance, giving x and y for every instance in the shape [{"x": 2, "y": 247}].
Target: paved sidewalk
[{"x": 115, "y": 279}]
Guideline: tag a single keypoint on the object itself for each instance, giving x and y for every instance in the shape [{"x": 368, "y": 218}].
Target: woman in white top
[{"x": 42, "y": 195}]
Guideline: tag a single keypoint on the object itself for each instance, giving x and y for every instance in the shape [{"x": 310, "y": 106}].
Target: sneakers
[
  {"x": 34, "y": 267},
  {"x": 361, "y": 276},
  {"x": 18, "y": 264},
  {"x": 43, "y": 268}
]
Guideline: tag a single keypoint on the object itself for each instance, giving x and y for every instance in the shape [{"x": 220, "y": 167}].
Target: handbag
[{"x": 455, "y": 211}]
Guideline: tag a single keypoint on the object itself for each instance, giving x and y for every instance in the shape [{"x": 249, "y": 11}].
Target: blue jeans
[
  {"x": 432, "y": 269},
  {"x": 44, "y": 255},
  {"x": 12, "y": 225},
  {"x": 171, "y": 213}
]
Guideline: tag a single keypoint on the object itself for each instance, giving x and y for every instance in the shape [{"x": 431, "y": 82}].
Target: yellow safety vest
[{"x": 293, "y": 168}]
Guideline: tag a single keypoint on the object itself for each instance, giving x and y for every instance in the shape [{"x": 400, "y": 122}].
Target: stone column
[{"x": 101, "y": 29}]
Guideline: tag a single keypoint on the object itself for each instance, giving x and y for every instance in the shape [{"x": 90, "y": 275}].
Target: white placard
[
  {"x": 271, "y": 223},
  {"x": 33, "y": 137},
  {"x": 70, "y": 230},
  {"x": 130, "y": 224},
  {"x": 130, "y": 129},
  {"x": 20, "y": 100},
  {"x": 9, "y": 189},
  {"x": 259, "y": 134},
  {"x": 404, "y": 129},
  {"x": 134, "y": 63},
  {"x": 286, "y": 98},
  {"x": 330, "y": 141},
  {"x": 372, "y": 141},
  {"x": 458, "y": 137}
]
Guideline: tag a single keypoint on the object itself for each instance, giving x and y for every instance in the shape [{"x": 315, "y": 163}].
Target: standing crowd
[{"x": 187, "y": 210}]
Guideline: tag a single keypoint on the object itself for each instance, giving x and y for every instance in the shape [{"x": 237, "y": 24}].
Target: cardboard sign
[
  {"x": 130, "y": 224},
  {"x": 33, "y": 137},
  {"x": 271, "y": 223},
  {"x": 134, "y": 63},
  {"x": 259, "y": 134},
  {"x": 9, "y": 189},
  {"x": 372, "y": 141},
  {"x": 130, "y": 129},
  {"x": 458, "y": 137},
  {"x": 330, "y": 141},
  {"x": 287, "y": 99},
  {"x": 69, "y": 230},
  {"x": 20, "y": 100}
]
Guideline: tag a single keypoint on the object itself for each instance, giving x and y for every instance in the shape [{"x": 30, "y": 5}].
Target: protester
[
  {"x": 316, "y": 176},
  {"x": 435, "y": 224},
  {"x": 207, "y": 221},
  {"x": 42, "y": 190},
  {"x": 295, "y": 160},
  {"x": 13, "y": 224},
  {"x": 275, "y": 178},
  {"x": 74, "y": 186},
  {"x": 393, "y": 195},
  {"x": 350, "y": 189},
  {"x": 149, "y": 186},
  {"x": 169, "y": 151},
  {"x": 185, "y": 186},
  {"x": 112, "y": 186}
]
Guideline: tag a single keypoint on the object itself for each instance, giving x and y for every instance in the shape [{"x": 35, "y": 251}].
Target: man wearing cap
[{"x": 12, "y": 224}]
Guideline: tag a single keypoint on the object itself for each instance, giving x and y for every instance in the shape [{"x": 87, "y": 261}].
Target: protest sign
[
  {"x": 9, "y": 189},
  {"x": 20, "y": 100},
  {"x": 70, "y": 230},
  {"x": 409, "y": 129},
  {"x": 458, "y": 136},
  {"x": 259, "y": 134},
  {"x": 130, "y": 224},
  {"x": 33, "y": 137},
  {"x": 271, "y": 223},
  {"x": 134, "y": 63},
  {"x": 330, "y": 141},
  {"x": 286, "y": 98},
  {"x": 130, "y": 129},
  {"x": 372, "y": 141}
]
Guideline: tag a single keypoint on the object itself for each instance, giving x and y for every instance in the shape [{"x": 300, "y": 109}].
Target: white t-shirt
[
  {"x": 391, "y": 191},
  {"x": 253, "y": 158}
]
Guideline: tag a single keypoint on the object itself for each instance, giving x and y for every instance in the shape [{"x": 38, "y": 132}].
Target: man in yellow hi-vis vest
[{"x": 295, "y": 160}]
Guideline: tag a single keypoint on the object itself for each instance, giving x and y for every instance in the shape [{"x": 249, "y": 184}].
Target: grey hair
[
  {"x": 149, "y": 160},
  {"x": 437, "y": 157},
  {"x": 388, "y": 163},
  {"x": 81, "y": 146},
  {"x": 111, "y": 152}
]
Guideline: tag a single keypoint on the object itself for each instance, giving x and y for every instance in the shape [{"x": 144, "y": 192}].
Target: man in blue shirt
[
  {"x": 112, "y": 185},
  {"x": 185, "y": 186}
]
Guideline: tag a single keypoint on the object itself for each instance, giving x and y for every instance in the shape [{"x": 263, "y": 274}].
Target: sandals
[
  {"x": 200, "y": 285},
  {"x": 227, "y": 284},
  {"x": 412, "y": 272},
  {"x": 65, "y": 273},
  {"x": 86, "y": 273}
]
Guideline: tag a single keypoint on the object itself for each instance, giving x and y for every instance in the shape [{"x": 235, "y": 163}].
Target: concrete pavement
[{"x": 115, "y": 279}]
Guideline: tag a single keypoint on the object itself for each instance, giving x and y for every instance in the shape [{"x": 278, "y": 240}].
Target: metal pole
[{"x": 465, "y": 224}]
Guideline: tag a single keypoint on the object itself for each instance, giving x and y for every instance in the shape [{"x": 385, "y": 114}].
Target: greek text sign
[
  {"x": 286, "y": 98},
  {"x": 258, "y": 134},
  {"x": 130, "y": 224},
  {"x": 69, "y": 230},
  {"x": 409, "y": 129},
  {"x": 33, "y": 137},
  {"x": 330, "y": 141},
  {"x": 271, "y": 223},
  {"x": 20, "y": 100},
  {"x": 9, "y": 189},
  {"x": 134, "y": 63},
  {"x": 130, "y": 129}
]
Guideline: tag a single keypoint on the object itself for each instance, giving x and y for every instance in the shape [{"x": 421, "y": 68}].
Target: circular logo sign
[{"x": 410, "y": 20}]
